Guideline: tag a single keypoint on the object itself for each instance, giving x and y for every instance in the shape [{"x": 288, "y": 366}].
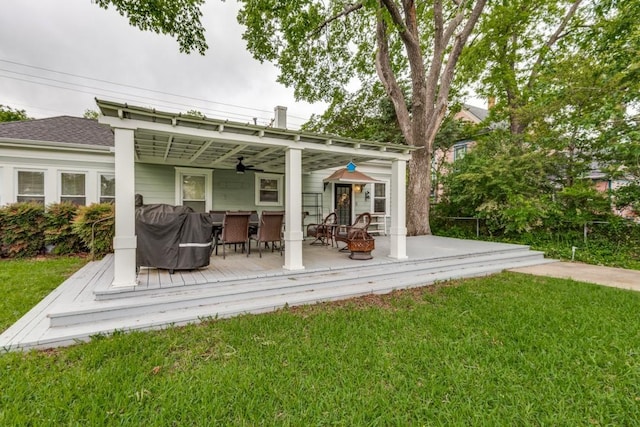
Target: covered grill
[{"x": 173, "y": 237}]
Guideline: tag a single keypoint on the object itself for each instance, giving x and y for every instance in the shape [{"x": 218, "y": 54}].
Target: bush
[
  {"x": 23, "y": 226},
  {"x": 59, "y": 230},
  {"x": 94, "y": 224}
]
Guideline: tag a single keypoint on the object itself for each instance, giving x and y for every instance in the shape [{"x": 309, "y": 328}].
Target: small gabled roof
[
  {"x": 61, "y": 129},
  {"x": 349, "y": 177}
]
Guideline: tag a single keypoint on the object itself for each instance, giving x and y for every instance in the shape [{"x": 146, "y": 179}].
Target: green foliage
[
  {"x": 581, "y": 203},
  {"x": 195, "y": 114},
  {"x": 627, "y": 197},
  {"x": 90, "y": 114},
  {"x": 8, "y": 114},
  {"x": 366, "y": 114},
  {"x": 59, "y": 230},
  {"x": 500, "y": 182},
  {"x": 94, "y": 224},
  {"x": 22, "y": 226},
  {"x": 568, "y": 76},
  {"x": 177, "y": 18}
]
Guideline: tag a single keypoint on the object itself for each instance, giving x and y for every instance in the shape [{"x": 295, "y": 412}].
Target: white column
[
  {"x": 124, "y": 242},
  {"x": 293, "y": 210},
  {"x": 398, "y": 232}
]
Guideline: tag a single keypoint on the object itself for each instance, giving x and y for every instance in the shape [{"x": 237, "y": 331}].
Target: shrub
[
  {"x": 94, "y": 224},
  {"x": 59, "y": 230},
  {"x": 22, "y": 227}
]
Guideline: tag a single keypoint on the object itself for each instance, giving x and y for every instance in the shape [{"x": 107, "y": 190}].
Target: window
[
  {"x": 194, "y": 188},
  {"x": 72, "y": 188},
  {"x": 107, "y": 188},
  {"x": 31, "y": 186},
  {"x": 268, "y": 189},
  {"x": 459, "y": 152},
  {"x": 193, "y": 192},
  {"x": 379, "y": 198}
]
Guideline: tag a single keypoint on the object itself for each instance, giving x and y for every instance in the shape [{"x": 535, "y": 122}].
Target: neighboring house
[
  {"x": 604, "y": 184},
  {"x": 442, "y": 160},
  {"x": 470, "y": 114},
  {"x": 186, "y": 160}
]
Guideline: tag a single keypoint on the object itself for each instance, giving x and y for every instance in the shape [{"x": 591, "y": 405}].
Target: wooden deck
[{"x": 86, "y": 304}]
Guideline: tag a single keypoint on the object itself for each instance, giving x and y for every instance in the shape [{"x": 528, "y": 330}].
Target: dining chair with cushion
[
  {"x": 270, "y": 230},
  {"x": 235, "y": 229}
]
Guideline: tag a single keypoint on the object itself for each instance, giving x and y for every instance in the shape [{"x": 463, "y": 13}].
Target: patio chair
[
  {"x": 345, "y": 233},
  {"x": 323, "y": 233},
  {"x": 254, "y": 222},
  {"x": 235, "y": 229},
  {"x": 270, "y": 230}
]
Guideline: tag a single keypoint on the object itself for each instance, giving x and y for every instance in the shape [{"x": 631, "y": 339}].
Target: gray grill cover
[{"x": 173, "y": 237}]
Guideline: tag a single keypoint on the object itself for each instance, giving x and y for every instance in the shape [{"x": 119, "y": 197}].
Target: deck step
[
  {"x": 340, "y": 282},
  {"x": 360, "y": 270},
  {"x": 69, "y": 334}
]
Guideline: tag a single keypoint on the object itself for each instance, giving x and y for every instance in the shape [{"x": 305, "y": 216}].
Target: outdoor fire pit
[{"x": 361, "y": 244}]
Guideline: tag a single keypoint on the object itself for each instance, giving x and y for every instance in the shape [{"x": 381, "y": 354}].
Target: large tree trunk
[
  {"x": 418, "y": 193},
  {"x": 429, "y": 89}
]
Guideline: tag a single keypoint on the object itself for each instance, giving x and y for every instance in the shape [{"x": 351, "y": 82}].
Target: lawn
[
  {"x": 24, "y": 283},
  {"x": 509, "y": 349}
]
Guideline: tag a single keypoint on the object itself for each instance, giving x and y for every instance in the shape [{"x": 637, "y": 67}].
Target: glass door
[{"x": 342, "y": 203}]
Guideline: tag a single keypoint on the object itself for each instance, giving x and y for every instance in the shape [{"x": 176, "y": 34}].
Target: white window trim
[
  {"x": 75, "y": 172},
  {"x": 459, "y": 148},
  {"x": 279, "y": 178},
  {"x": 387, "y": 196},
  {"x": 99, "y": 185},
  {"x": 208, "y": 184},
  {"x": 16, "y": 185}
]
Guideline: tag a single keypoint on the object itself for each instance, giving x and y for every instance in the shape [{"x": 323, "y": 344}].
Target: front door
[{"x": 342, "y": 202}]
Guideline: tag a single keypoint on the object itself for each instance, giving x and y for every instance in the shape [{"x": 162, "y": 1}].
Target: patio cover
[
  {"x": 146, "y": 135},
  {"x": 346, "y": 176}
]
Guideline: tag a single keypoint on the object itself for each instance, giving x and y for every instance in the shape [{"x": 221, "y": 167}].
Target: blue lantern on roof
[{"x": 351, "y": 167}]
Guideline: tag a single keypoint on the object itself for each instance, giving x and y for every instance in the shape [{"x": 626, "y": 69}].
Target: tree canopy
[
  {"x": 330, "y": 50},
  {"x": 8, "y": 114},
  {"x": 177, "y": 18}
]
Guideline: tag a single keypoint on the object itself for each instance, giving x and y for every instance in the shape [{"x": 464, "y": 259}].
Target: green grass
[
  {"x": 509, "y": 349},
  {"x": 25, "y": 282}
]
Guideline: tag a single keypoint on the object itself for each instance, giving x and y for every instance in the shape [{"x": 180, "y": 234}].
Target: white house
[{"x": 185, "y": 160}]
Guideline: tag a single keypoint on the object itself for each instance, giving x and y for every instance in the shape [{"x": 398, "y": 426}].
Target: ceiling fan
[{"x": 241, "y": 167}]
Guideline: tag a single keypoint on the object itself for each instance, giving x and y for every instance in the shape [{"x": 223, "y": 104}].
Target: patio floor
[{"x": 86, "y": 304}]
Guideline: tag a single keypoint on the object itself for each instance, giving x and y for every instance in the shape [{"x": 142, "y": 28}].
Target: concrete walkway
[{"x": 607, "y": 276}]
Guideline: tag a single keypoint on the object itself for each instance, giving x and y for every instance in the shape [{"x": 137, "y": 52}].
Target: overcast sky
[{"x": 57, "y": 56}]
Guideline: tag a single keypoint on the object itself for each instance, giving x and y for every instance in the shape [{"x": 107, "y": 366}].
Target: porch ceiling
[{"x": 169, "y": 138}]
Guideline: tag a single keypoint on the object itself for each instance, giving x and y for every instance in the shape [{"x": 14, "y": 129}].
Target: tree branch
[
  {"x": 388, "y": 80},
  {"x": 407, "y": 37},
  {"x": 347, "y": 10},
  {"x": 452, "y": 60},
  {"x": 552, "y": 40}
]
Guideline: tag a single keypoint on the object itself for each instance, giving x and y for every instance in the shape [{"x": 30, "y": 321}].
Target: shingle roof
[
  {"x": 480, "y": 113},
  {"x": 65, "y": 129}
]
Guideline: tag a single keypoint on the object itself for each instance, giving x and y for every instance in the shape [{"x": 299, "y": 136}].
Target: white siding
[{"x": 52, "y": 163}]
